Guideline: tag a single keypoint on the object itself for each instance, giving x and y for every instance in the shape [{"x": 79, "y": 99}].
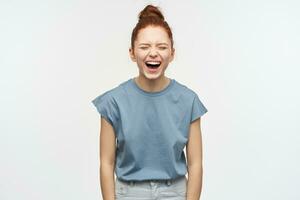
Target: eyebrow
[{"x": 161, "y": 43}]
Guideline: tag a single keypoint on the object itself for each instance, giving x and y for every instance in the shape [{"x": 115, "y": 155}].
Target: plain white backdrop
[{"x": 240, "y": 57}]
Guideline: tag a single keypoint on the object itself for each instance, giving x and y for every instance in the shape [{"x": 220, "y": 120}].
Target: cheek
[
  {"x": 166, "y": 56},
  {"x": 141, "y": 55},
  {"x": 140, "y": 59}
]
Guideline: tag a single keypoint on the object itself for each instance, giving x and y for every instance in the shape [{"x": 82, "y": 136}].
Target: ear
[
  {"x": 172, "y": 55},
  {"x": 131, "y": 54}
]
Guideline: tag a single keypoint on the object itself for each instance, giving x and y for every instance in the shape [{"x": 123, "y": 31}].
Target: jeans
[{"x": 174, "y": 189}]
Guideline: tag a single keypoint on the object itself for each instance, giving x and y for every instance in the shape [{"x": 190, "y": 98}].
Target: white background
[{"x": 241, "y": 57}]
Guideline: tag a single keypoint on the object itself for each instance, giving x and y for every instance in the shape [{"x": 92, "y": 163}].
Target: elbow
[
  {"x": 107, "y": 164},
  {"x": 196, "y": 166}
]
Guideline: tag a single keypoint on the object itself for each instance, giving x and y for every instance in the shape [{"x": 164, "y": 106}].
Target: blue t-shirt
[{"x": 151, "y": 128}]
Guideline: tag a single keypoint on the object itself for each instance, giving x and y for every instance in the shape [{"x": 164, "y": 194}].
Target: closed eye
[{"x": 162, "y": 48}]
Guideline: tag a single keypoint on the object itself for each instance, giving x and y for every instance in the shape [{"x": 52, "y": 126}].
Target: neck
[{"x": 152, "y": 85}]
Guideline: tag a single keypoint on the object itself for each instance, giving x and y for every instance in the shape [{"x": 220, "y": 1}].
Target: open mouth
[{"x": 153, "y": 64}]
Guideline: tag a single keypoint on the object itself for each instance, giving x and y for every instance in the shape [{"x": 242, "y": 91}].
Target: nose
[{"x": 153, "y": 52}]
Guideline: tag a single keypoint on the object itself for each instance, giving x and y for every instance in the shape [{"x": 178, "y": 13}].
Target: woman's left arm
[{"x": 194, "y": 161}]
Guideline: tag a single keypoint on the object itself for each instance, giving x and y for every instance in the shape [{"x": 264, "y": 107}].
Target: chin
[{"x": 152, "y": 76}]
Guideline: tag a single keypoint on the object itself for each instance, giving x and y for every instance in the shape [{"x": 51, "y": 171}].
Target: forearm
[
  {"x": 194, "y": 186},
  {"x": 107, "y": 181}
]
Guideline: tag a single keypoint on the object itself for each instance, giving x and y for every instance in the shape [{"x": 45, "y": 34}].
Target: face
[{"x": 152, "y": 51}]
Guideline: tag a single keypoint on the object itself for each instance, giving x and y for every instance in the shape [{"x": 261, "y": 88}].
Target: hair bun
[{"x": 151, "y": 11}]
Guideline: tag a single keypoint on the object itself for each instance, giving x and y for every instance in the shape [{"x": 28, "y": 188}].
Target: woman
[{"x": 152, "y": 118}]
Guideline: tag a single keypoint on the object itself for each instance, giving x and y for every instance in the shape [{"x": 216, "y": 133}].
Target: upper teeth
[{"x": 153, "y": 63}]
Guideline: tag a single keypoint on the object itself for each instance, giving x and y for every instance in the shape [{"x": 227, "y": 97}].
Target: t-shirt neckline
[{"x": 144, "y": 92}]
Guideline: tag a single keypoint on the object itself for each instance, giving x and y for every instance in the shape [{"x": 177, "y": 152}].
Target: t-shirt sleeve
[
  {"x": 198, "y": 109},
  {"x": 106, "y": 107}
]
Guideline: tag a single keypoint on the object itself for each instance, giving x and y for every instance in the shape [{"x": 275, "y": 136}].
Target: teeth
[{"x": 153, "y": 63}]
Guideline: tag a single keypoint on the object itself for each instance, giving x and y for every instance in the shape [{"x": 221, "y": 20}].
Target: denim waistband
[{"x": 150, "y": 181}]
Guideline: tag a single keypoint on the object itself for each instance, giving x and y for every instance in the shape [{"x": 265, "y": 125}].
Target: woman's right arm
[{"x": 107, "y": 160}]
